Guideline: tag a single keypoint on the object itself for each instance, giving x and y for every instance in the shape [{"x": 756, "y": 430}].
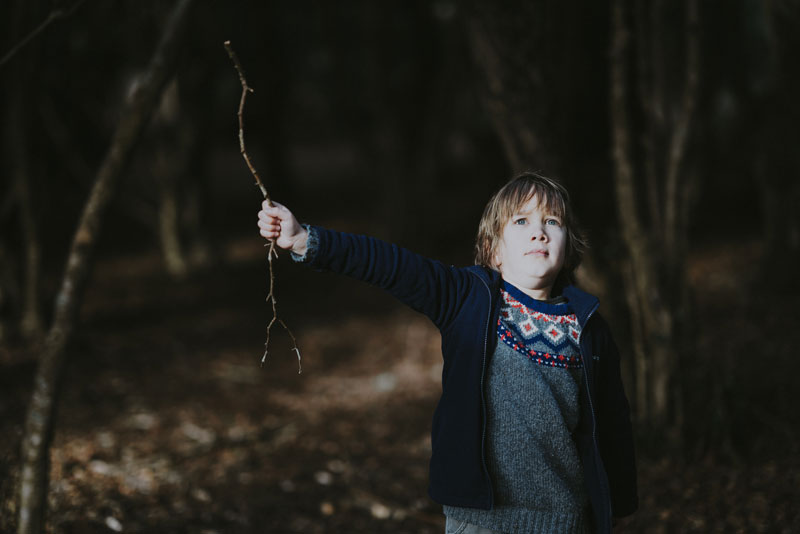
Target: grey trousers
[{"x": 455, "y": 526}]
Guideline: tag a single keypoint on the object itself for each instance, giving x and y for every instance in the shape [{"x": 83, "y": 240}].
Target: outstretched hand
[{"x": 278, "y": 223}]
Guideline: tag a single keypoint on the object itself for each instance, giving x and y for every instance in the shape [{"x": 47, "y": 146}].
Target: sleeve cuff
[{"x": 312, "y": 246}]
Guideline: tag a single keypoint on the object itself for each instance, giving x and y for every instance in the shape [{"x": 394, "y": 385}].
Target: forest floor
[{"x": 168, "y": 423}]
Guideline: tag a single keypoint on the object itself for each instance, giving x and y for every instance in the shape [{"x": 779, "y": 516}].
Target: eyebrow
[{"x": 546, "y": 212}]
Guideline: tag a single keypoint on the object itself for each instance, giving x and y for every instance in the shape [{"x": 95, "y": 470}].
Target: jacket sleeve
[
  {"x": 615, "y": 433},
  {"x": 425, "y": 285}
]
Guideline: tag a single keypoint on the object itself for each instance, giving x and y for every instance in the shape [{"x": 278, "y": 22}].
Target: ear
[{"x": 498, "y": 259}]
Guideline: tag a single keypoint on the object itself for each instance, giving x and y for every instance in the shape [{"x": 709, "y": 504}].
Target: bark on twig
[
  {"x": 272, "y": 253},
  {"x": 39, "y": 419},
  {"x": 245, "y": 90}
]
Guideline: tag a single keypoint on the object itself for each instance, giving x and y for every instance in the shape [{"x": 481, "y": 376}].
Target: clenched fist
[{"x": 278, "y": 223}]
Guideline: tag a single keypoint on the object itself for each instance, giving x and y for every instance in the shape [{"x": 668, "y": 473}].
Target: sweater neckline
[{"x": 558, "y": 305}]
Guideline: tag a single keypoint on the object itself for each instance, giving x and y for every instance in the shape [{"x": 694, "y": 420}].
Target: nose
[{"x": 538, "y": 232}]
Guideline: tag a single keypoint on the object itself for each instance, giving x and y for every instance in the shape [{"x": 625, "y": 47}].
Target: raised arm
[{"x": 425, "y": 285}]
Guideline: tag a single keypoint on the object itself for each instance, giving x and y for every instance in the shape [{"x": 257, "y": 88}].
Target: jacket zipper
[
  {"x": 483, "y": 397},
  {"x": 591, "y": 406}
]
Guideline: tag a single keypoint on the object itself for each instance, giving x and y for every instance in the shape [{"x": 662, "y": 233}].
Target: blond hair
[{"x": 553, "y": 198}]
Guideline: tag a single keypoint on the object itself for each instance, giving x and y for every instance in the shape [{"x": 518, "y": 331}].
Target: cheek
[
  {"x": 563, "y": 253},
  {"x": 562, "y": 249}
]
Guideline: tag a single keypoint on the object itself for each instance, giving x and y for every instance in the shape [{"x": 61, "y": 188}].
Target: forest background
[{"x": 132, "y": 279}]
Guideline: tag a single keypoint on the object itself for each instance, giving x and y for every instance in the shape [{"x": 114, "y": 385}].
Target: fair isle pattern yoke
[{"x": 547, "y": 334}]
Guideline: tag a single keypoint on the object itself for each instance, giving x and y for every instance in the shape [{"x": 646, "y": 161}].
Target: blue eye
[
  {"x": 553, "y": 222},
  {"x": 521, "y": 221}
]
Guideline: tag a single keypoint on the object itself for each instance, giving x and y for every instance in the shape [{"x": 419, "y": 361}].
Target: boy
[{"x": 532, "y": 431}]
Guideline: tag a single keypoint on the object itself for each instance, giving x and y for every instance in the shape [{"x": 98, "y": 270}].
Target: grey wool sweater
[{"x": 533, "y": 393}]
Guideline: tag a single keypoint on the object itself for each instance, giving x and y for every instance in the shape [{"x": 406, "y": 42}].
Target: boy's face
[{"x": 531, "y": 250}]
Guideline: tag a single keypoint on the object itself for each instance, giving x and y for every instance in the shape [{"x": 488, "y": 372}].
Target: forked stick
[{"x": 272, "y": 252}]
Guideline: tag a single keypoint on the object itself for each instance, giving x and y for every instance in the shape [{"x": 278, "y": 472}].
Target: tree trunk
[
  {"x": 39, "y": 419},
  {"x": 657, "y": 247},
  {"x": 169, "y": 164},
  {"x": 646, "y": 301}
]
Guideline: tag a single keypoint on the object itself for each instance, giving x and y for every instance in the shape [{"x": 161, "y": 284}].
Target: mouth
[{"x": 537, "y": 252}]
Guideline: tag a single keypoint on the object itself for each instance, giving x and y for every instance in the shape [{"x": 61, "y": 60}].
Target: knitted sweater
[{"x": 533, "y": 394}]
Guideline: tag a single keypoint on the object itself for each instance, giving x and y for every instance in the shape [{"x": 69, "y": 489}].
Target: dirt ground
[{"x": 168, "y": 423}]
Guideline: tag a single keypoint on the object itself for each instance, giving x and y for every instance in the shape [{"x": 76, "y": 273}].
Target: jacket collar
[{"x": 582, "y": 303}]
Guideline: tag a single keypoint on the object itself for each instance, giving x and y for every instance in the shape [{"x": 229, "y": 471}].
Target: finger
[
  {"x": 275, "y": 213},
  {"x": 269, "y": 214},
  {"x": 269, "y": 210},
  {"x": 270, "y": 227},
  {"x": 266, "y": 218},
  {"x": 268, "y": 234}
]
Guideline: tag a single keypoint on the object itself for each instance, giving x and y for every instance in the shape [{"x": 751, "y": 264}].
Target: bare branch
[
  {"x": 648, "y": 97},
  {"x": 54, "y": 15},
  {"x": 518, "y": 139},
  {"x": 680, "y": 134},
  {"x": 272, "y": 253},
  {"x": 245, "y": 89},
  {"x": 492, "y": 91}
]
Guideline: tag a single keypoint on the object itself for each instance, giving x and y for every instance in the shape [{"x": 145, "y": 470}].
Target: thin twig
[
  {"x": 272, "y": 253},
  {"x": 52, "y": 16}
]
